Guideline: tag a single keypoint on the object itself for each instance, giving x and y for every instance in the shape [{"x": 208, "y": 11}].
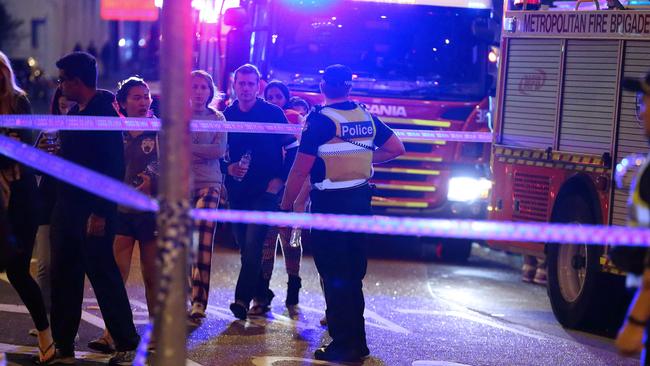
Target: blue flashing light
[{"x": 447, "y": 41}]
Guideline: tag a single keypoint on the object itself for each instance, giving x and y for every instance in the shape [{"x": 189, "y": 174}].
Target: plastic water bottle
[
  {"x": 244, "y": 163},
  {"x": 295, "y": 241}
]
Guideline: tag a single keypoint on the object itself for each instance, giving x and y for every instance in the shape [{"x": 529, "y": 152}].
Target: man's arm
[
  {"x": 299, "y": 172},
  {"x": 391, "y": 149}
]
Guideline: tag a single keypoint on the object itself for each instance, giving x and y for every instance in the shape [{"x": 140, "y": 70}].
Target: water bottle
[
  {"x": 295, "y": 241},
  {"x": 244, "y": 162},
  {"x": 51, "y": 141}
]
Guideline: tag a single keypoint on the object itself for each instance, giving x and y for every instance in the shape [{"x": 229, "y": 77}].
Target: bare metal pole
[{"x": 174, "y": 222}]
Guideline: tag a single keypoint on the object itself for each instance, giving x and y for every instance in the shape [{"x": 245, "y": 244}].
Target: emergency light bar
[
  {"x": 638, "y": 4},
  {"x": 472, "y": 4}
]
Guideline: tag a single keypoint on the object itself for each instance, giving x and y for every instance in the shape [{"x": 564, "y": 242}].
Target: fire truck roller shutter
[{"x": 630, "y": 141}]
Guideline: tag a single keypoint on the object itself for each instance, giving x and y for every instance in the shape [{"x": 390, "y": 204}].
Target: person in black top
[
  {"x": 630, "y": 337},
  {"x": 18, "y": 215},
  {"x": 338, "y": 147},
  {"x": 253, "y": 187},
  {"x": 83, "y": 225}
]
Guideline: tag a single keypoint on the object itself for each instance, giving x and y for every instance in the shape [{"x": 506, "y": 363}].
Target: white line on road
[
  {"x": 478, "y": 319},
  {"x": 372, "y": 319},
  {"x": 90, "y": 318},
  {"x": 11, "y": 308}
]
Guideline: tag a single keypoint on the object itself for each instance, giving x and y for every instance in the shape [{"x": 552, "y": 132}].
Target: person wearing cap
[
  {"x": 339, "y": 145},
  {"x": 630, "y": 337}
]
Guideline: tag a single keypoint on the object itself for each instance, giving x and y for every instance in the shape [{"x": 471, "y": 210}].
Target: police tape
[
  {"x": 123, "y": 194},
  {"x": 95, "y": 123},
  {"x": 439, "y": 228},
  {"x": 81, "y": 177}
]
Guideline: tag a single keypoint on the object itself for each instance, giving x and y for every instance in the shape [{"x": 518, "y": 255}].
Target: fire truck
[
  {"x": 417, "y": 64},
  {"x": 562, "y": 123}
]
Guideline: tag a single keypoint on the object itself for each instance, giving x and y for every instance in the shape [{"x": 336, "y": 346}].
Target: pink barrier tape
[
  {"x": 121, "y": 193},
  {"x": 76, "y": 175},
  {"x": 82, "y": 123},
  {"x": 469, "y": 229},
  {"x": 457, "y": 136}
]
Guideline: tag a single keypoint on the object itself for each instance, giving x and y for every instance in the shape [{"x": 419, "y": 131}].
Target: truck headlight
[{"x": 467, "y": 189}]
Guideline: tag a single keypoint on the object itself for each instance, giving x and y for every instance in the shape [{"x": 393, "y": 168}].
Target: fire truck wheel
[
  {"x": 580, "y": 293},
  {"x": 446, "y": 250}
]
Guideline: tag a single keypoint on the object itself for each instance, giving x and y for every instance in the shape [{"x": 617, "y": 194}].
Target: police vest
[
  {"x": 639, "y": 210},
  {"x": 348, "y": 155}
]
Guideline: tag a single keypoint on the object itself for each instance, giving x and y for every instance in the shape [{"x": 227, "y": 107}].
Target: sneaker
[
  {"x": 196, "y": 315},
  {"x": 540, "y": 277},
  {"x": 239, "y": 310},
  {"x": 259, "y": 308},
  {"x": 198, "y": 310},
  {"x": 122, "y": 358},
  {"x": 527, "y": 273}
]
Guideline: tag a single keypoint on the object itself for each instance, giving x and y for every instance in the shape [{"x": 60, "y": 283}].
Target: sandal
[
  {"x": 101, "y": 344},
  {"x": 40, "y": 359}
]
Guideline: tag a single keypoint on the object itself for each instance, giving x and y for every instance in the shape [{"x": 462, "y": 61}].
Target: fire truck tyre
[
  {"x": 446, "y": 250},
  {"x": 580, "y": 294}
]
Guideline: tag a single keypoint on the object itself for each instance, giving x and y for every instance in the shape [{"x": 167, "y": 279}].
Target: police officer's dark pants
[
  {"x": 341, "y": 261},
  {"x": 250, "y": 238},
  {"x": 75, "y": 255}
]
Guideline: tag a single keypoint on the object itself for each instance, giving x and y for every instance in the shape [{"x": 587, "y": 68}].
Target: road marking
[
  {"x": 11, "y": 308},
  {"x": 383, "y": 323},
  {"x": 271, "y": 360},
  {"x": 478, "y": 319},
  {"x": 372, "y": 319},
  {"x": 21, "y": 309}
]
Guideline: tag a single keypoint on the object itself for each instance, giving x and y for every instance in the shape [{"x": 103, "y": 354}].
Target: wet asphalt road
[{"x": 417, "y": 313}]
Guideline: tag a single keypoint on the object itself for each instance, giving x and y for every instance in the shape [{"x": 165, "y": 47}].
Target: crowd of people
[{"x": 78, "y": 234}]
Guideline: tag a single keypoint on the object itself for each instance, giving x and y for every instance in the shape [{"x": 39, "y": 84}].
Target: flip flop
[
  {"x": 42, "y": 352},
  {"x": 102, "y": 345}
]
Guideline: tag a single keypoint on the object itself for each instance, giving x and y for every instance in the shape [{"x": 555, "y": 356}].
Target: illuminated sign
[
  {"x": 143, "y": 10},
  {"x": 576, "y": 23}
]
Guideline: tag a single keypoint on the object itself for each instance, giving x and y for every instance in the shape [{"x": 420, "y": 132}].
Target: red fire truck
[
  {"x": 561, "y": 124},
  {"x": 418, "y": 64}
]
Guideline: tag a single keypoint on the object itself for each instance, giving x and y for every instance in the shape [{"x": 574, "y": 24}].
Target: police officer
[
  {"x": 630, "y": 337},
  {"x": 338, "y": 147}
]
